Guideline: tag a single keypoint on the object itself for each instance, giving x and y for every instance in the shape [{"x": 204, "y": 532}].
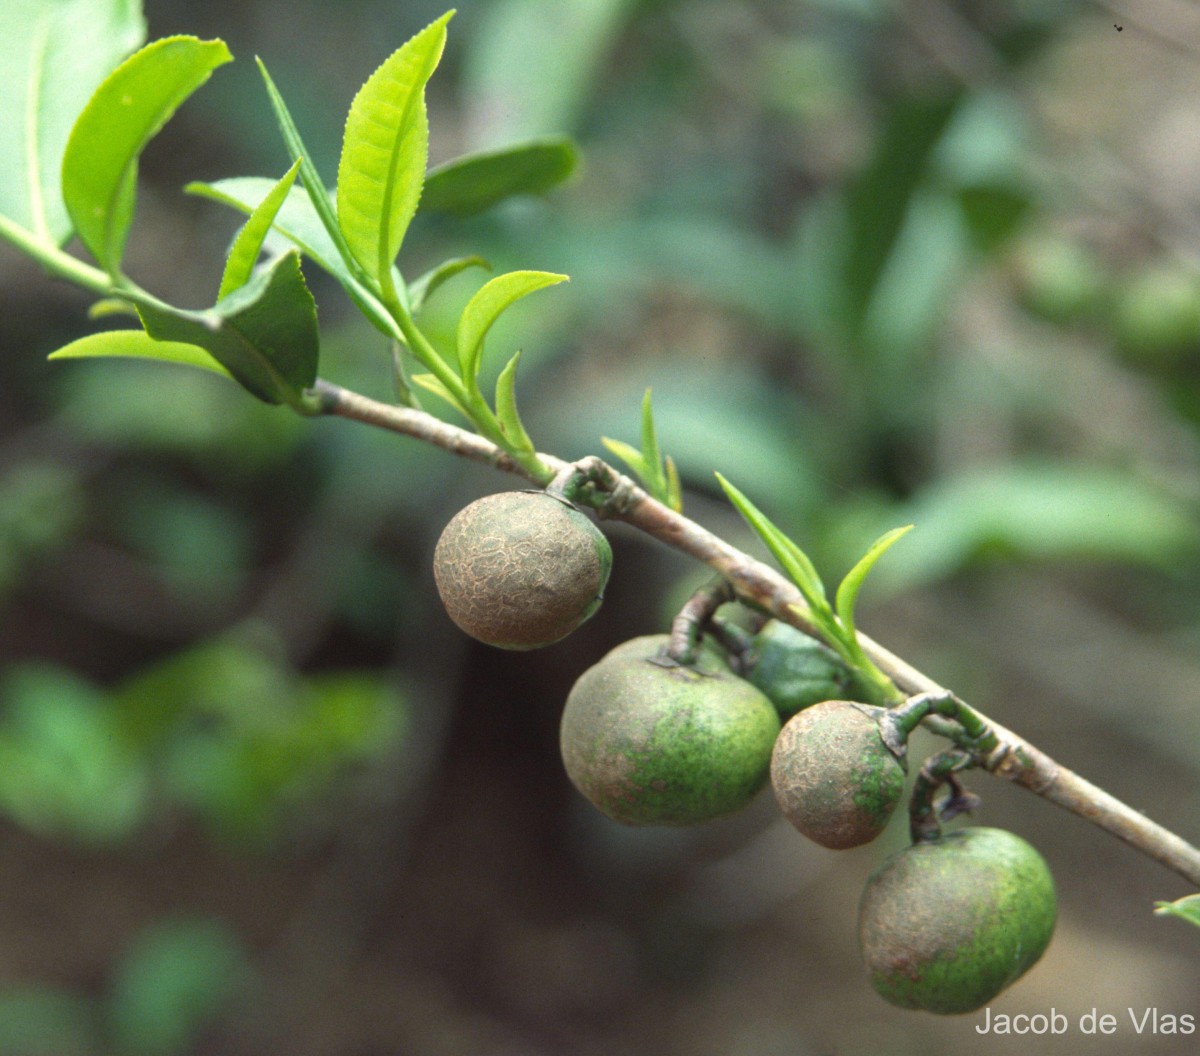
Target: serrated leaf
[
  {"x": 476, "y": 182},
  {"x": 847, "y": 592},
  {"x": 628, "y": 454},
  {"x": 431, "y": 383},
  {"x": 423, "y": 288},
  {"x": 265, "y": 334},
  {"x": 319, "y": 197},
  {"x": 385, "y": 150},
  {"x": 1186, "y": 908},
  {"x": 791, "y": 558},
  {"x": 53, "y": 54},
  {"x": 99, "y": 170},
  {"x": 506, "y": 407},
  {"x": 486, "y": 307},
  {"x": 244, "y": 253},
  {"x": 137, "y": 344}
]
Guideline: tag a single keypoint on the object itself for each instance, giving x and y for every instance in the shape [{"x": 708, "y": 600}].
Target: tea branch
[{"x": 615, "y": 496}]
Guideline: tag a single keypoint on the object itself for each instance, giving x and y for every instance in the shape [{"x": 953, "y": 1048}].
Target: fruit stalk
[{"x": 615, "y": 496}]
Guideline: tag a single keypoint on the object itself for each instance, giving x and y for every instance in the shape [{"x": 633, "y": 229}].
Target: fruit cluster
[{"x": 666, "y": 730}]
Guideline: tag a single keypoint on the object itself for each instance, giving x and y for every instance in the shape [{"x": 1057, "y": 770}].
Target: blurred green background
[{"x": 931, "y": 262}]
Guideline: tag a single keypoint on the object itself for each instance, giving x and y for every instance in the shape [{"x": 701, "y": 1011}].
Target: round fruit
[
  {"x": 521, "y": 569},
  {"x": 947, "y": 924},
  {"x": 652, "y": 742},
  {"x": 794, "y": 670},
  {"x": 835, "y": 779}
]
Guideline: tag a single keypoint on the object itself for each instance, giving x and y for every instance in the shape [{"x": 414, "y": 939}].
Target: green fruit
[
  {"x": 794, "y": 670},
  {"x": 945, "y": 925},
  {"x": 834, "y": 777},
  {"x": 520, "y": 570},
  {"x": 651, "y": 742}
]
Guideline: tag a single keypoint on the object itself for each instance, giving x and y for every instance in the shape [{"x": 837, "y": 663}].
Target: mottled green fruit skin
[
  {"x": 835, "y": 779},
  {"x": 794, "y": 670},
  {"x": 655, "y": 745},
  {"x": 946, "y": 925},
  {"x": 521, "y": 570}
]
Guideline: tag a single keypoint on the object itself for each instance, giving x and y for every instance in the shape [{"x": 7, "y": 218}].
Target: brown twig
[{"x": 760, "y": 586}]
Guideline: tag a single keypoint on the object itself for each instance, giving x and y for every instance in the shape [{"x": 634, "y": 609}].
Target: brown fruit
[
  {"x": 835, "y": 779},
  {"x": 520, "y": 569}
]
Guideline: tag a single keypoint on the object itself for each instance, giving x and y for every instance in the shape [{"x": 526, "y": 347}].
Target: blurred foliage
[{"x": 862, "y": 252}]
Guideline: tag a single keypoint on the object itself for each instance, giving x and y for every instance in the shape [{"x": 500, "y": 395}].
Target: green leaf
[
  {"x": 53, "y": 54},
  {"x": 847, "y": 592},
  {"x": 384, "y": 152},
  {"x": 299, "y": 223},
  {"x": 99, "y": 171},
  {"x": 1186, "y": 908},
  {"x": 248, "y": 245},
  {"x": 486, "y": 307},
  {"x": 650, "y": 448},
  {"x": 432, "y": 383},
  {"x": 660, "y": 478},
  {"x": 1042, "y": 510},
  {"x": 533, "y": 66},
  {"x": 628, "y": 454},
  {"x": 793, "y": 560},
  {"x": 476, "y": 182},
  {"x": 674, "y": 486},
  {"x": 297, "y": 219},
  {"x": 878, "y": 202},
  {"x": 265, "y": 334},
  {"x": 318, "y": 196},
  {"x": 173, "y": 979},
  {"x": 423, "y": 288},
  {"x": 137, "y": 344},
  {"x": 108, "y": 306},
  {"x": 506, "y": 407}
]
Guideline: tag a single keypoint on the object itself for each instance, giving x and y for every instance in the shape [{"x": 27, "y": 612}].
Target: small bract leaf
[
  {"x": 107, "y": 306},
  {"x": 1186, "y": 908},
  {"x": 53, "y": 54},
  {"x": 100, "y": 162},
  {"x": 628, "y": 454},
  {"x": 384, "y": 152},
  {"x": 265, "y": 334},
  {"x": 432, "y": 383},
  {"x": 674, "y": 486},
  {"x": 506, "y": 407},
  {"x": 476, "y": 182},
  {"x": 486, "y": 307},
  {"x": 248, "y": 245},
  {"x": 847, "y": 592},
  {"x": 650, "y": 447},
  {"x": 137, "y": 344},
  {"x": 423, "y": 288},
  {"x": 793, "y": 560}
]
